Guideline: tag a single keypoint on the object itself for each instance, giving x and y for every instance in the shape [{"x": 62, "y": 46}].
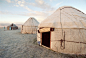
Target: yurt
[
  {"x": 30, "y": 26},
  {"x": 64, "y": 31},
  {"x": 12, "y": 27}
]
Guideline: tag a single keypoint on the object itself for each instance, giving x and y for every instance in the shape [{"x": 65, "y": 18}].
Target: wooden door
[{"x": 46, "y": 39}]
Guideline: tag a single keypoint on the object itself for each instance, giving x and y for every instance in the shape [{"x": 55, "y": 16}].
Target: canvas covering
[
  {"x": 69, "y": 17},
  {"x": 69, "y": 23},
  {"x": 30, "y": 26}
]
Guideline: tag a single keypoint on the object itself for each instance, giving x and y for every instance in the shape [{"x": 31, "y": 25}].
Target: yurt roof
[
  {"x": 31, "y": 22},
  {"x": 65, "y": 17},
  {"x": 13, "y": 25}
]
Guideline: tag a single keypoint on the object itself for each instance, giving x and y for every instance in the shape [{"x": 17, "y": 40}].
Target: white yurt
[
  {"x": 30, "y": 26},
  {"x": 64, "y": 31}
]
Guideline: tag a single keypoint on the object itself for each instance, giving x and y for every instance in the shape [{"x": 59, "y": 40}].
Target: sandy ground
[{"x": 13, "y": 44}]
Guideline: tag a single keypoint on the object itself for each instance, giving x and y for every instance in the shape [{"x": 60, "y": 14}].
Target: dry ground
[{"x": 13, "y": 44}]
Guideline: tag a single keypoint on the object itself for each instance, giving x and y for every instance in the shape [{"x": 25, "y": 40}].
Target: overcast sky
[{"x": 18, "y": 11}]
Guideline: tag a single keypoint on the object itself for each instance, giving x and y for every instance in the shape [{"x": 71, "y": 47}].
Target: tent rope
[
  {"x": 63, "y": 39},
  {"x": 32, "y": 25},
  {"x": 61, "y": 23},
  {"x": 71, "y": 41}
]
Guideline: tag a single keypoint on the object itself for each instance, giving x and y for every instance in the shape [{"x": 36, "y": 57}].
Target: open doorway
[{"x": 46, "y": 39}]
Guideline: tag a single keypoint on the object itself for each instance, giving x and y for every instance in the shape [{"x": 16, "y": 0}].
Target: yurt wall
[
  {"x": 72, "y": 41},
  {"x": 29, "y": 29},
  {"x": 69, "y": 41}
]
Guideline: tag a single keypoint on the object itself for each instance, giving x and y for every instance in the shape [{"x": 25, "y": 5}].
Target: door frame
[{"x": 50, "y": 40}]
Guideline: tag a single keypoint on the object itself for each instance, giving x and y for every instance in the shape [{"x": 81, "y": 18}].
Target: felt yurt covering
[
  {"x": 12, "y": 27},
  {"x": 64, "y": 31},
  {"x": 30, "y": 26}
]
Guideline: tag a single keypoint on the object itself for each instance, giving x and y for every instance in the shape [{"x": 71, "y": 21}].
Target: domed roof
[
  {"x": 31, "y": 22},
  {"x": 65, "y": 17}
]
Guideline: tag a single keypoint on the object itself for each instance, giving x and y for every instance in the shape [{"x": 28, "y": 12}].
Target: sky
[{"x": 18, "y": 11}]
